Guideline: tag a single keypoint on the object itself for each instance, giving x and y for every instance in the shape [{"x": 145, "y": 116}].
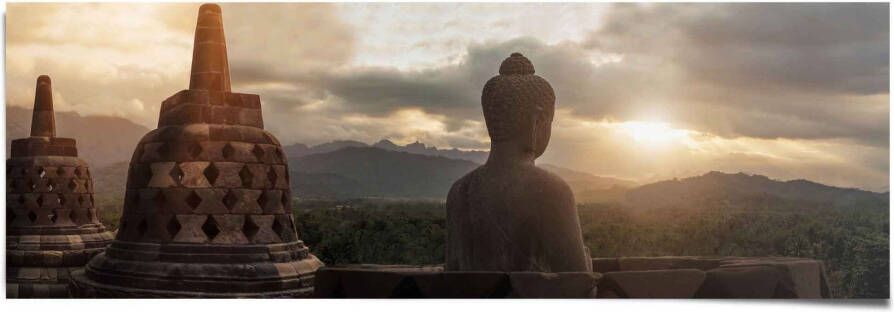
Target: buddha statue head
[{"x": 518, "y": 107}]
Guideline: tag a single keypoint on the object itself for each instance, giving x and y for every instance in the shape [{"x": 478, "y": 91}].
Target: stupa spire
[
  {"x": 43, "y": 121},
  {"x": 210, "y": 69}
]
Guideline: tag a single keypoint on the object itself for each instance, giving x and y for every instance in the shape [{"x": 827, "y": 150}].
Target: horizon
[{"x": 634, "y": 101}]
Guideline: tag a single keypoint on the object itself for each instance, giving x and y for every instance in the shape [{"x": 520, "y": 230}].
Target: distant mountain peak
[
  {"x": 717, "y": 184},
  {"x": 300, "y": 150},
  {"x": 385, "y": 144}
]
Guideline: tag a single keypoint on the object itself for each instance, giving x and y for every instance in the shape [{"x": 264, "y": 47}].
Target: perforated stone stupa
[
  {"x": 207, "y": 210},
  {"x": 52, "y": 227}
]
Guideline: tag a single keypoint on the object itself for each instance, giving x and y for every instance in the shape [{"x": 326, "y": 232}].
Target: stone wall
[{"x": 653, "y": 277}]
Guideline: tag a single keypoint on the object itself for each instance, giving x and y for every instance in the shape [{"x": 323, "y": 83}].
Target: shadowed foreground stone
[
  {"x": 658, "y": 277},
  {"x": 207, "y": 211},
  {"x": 711, "y": 277},
  {"x": 509, "y": 215},
  {"x": 395, "y": 281},
  {"x": 52, "y": 226}
]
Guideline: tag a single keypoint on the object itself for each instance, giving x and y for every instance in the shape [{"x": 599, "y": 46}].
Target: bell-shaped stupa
[
  {"x": 207, "y": 211},
  {"x": 52, "y": 227}
]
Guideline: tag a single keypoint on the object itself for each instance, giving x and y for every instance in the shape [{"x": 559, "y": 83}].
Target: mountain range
[
  {"x": 102, "y": 140},
  {"x": 351, "y": 169},
  {"x": 300, "y": 150}
]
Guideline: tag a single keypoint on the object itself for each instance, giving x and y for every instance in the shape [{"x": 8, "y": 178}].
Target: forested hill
[
  {"x": 373, "y": 172},
  {"x": 102, "y": 140},
  {"x": 352, "y": 172},
  {"x": 724, "y": 186}
]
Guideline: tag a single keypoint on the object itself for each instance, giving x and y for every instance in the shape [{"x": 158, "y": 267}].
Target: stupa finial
[
  {"x": 210, "y": 69},
  {"x": 43, "y": 121}
]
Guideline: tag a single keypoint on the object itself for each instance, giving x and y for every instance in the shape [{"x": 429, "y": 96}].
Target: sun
[{"x": 652, "y": 134}]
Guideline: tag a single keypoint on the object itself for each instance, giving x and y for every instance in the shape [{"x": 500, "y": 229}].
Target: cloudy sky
[{"x": 644, "y": 92}]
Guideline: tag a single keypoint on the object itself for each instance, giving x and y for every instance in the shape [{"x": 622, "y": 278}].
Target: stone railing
[{"x": 653, "y": 277}]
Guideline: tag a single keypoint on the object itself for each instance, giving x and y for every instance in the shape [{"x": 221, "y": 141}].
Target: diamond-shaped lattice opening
[
  {"x": 230, "y": 200},
  {"x": 173, "y": 226},
  {"x": 285, "y": 199},
  {"x": 60, "y": 171},
  {"x": 50, "y": 185},
  {"x": 262, "y": 200},
  {"x": 271, "y": 175},
  {"x": 258, "y": 151},
  {"x": 282, "y": 158},
  {"x": 250, "y": 228},
  {"x": 160, "y": 199},
  {"x": 32, "y": 216},
  {"x": 53, "y": 217},
  {"x": 210, "y": 228},
  {"x": 142, "y": 227},
  {"x": 32, "y": 186},
  {"x": 228, "y": 151},
  {"x": 246, "y": 176},
  {"x": 177, "y": 173},
  {"x": 195, "y": 150},
  {"x": 79, "y": 171},
  {"x": 211, "y": 173},
  {"x": 40, "y": 200},
  {"x": 278, "y": 228},
  {"x": 60, "y": 199},
  {"x": 42, "y": 173},
  {"x": 72, "y": 185},
  {"x": 193, "y": 200},
  {"x": 21, "y": 200}
]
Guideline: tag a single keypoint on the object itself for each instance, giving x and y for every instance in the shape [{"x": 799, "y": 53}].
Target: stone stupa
[
  {"x": 207, "y": 211},
  {"x": 52, "y": 226}
]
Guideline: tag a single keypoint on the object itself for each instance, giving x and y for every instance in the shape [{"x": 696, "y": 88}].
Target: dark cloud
[
  {"x": 808, "y": 71},
  {"x": 799, "y": 71}
]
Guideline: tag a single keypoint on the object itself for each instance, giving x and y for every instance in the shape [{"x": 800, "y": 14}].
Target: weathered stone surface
[
  {"x": 805, "y": 278},
  {"x": 395, "y": 281},
  {"x": 205, "y": 214},
  {"x": 682, "y": 283},
  {"x": 745, "y": 282},
  {"x": 553, "y": 285},
  {"x": 723, "y": 277},
  {"x": 51, "y": 223},
  {"x": 666, "y": 263},
  {"x": 509, "y": 215}
]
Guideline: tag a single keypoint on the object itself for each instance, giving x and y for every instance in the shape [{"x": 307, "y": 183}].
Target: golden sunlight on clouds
[
  {"x": 647, "y": 151},
  {"x": 653, "y": 134}
]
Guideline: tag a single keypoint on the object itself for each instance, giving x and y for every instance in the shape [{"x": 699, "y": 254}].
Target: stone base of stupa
[
  {"x": 640, "y": 277},
  {"x": 40, "y": 266},
  {"x": 139, "y": 270}
]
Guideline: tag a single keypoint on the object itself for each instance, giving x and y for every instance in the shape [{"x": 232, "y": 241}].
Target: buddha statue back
[{"x": 508, "y": 214}]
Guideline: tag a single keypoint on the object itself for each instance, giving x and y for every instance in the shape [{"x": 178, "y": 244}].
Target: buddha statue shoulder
[{"x": 508, "y": 214}]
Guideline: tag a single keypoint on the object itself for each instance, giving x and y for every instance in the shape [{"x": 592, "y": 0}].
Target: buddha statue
[{"x": 508, "y": 214}]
